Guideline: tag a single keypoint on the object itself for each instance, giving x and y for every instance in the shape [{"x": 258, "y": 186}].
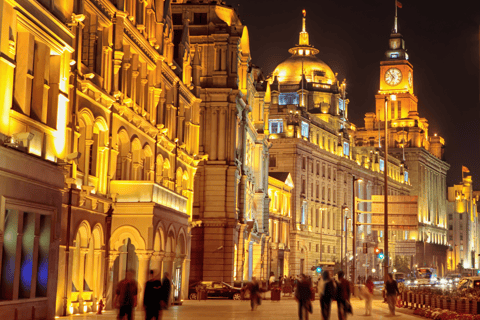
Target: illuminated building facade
[
  {"x": 409, "y": 139},
  {"x": 230, "y": 210},
  {"x": 463, "y": 227},
  {"x": 101, "y": 129},
  {"x": 280, "y": 186},
  {"x": 313, "y": 140}
]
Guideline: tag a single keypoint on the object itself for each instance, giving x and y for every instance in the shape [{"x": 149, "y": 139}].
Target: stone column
[
  {"x": 133, "y": 85},
  {"x": 125, "y": 78},
  {"x": 110, "y": 290},
  {"x": 142, "y": 277},
  {"x": 88, "y": 147},
  {"x": 142, "y": 100},
  {"x": 81, "y": 277},
  {"x": 156, "y": 263}
]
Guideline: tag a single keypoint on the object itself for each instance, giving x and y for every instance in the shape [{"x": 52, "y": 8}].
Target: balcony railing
[{"x": 147, "y": 191}]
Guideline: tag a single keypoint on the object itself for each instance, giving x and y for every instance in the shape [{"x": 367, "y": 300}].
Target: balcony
[{"x": 147, "y": 191}]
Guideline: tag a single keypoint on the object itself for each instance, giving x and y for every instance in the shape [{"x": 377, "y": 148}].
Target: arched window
[{"x": 159, "y": 170}]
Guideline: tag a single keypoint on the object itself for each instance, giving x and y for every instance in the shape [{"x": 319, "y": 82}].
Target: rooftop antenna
[{"x": 303, "y": 30}]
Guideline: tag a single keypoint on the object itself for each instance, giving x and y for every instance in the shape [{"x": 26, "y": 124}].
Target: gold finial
[{"x": 304, "y": 34}]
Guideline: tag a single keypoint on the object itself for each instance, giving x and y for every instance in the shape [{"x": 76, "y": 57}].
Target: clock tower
[{"x": 396, "y": 77}]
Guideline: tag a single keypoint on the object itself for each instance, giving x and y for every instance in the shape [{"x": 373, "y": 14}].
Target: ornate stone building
[
  {"x": 280, "y": 186},
  {"x": 463, "y": 227},
  {"x": 230, "y": 211},
  {"x": 313, "y": 140},
  {"x": 101, "y": 129},
  {"x": 422, "y": 153}
]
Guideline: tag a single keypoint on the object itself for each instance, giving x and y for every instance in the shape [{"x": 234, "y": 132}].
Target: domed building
[{"x": 313, "y": 140}]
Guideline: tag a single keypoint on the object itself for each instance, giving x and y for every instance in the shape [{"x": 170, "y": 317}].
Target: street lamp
[
  {"x": 354, "y": 226},
  {"x": 385, "y": 169},
  {"x": 344, "y": 214}
]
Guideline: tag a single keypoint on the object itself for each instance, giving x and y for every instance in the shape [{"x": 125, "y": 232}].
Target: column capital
[
  {"x": 143, "y": 254},
  {"x": 135, "y": 74},
  {"x": 126, "y": 65},
  {"x": 83, "y": 250}
]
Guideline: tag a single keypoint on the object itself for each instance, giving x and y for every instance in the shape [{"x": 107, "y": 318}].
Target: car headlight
[
  {"x": 416, "y": 281},
  {"x": 449, "y": 280},
  {"x": 443, "y": 281},
  {"x": 408, "y": 282}
]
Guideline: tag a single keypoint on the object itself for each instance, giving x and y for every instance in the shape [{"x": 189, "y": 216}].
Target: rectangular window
[
  {"x": 303, "y": 186},
  {"x": 382, "y": 165},
  {"x": 406, "y": 176},
  {"x": 200, "y": 18},
  {"x": 272, "y": 161},
  {"x": 323, "y": 171},
  {"x": 177, "y": 19},
  {"x": 311, "y": 192},
  {"x": 450, "y": 227},
  {"x": 318, "y": 192},
  {"x": 288, "y": 98},
  {"x": 323, "y": 219},
  {"x": 461, "y": 216},
  {"x": 461, "y": 237},
  {"x": 346, "y": 149},
  {"x": 304, "y": 163},
  {"x": 25, "y": 257},
  {"x": 317, "y": 218},
  {"x": 304, "y": 213},
  {"x": 275, "y": 126},
  {"x": 318, "y": 168},
  {"x": 399, "y": 109},
  {"x": 450, "y": 216},
  {"x": 305, "y": 127}
]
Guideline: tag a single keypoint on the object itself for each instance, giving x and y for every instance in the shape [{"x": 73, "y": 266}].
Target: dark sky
[{"x": 442, "y": 39}]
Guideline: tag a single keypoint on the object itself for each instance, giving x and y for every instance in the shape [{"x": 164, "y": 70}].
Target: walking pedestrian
[
  {"x": 165, "y": 293},
  {"x": 271, "y": 280},
  {"x": 126, "y": 296},
  {"x": 151, "y": 297},
  {"x": 369, "y": 296},
  {"x": 343, "y": 296},
  {"x": 303, "y": 295},
  {"x": 254, "y": 288},
  {"x": 327, "y": 293},
  {"x": 391, "y": 289}
]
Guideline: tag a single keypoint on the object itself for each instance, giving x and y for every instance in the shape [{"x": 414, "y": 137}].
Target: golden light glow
[
  {"x": 60, "y": 134},
  {"x": 304, "y": 12}
]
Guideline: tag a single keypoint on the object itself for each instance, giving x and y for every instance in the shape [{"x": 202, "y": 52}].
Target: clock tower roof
[{"x": 396, "y": 48}]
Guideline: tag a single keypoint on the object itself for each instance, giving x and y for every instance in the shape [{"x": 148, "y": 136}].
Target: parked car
[
  {"x": 215, "y": 289},
  {"x": 469, "y": 283}
]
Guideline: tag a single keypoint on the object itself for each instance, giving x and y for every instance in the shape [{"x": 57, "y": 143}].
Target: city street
[{"x": 240, "y": 310}]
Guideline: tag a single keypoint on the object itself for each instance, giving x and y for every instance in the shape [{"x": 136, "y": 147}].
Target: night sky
[{"x": 352, "y": 35}]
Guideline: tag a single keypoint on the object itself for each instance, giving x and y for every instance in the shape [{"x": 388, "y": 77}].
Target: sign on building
[{"x": 402, "y": 212}]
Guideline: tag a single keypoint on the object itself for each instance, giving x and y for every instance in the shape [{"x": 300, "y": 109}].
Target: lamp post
[
  {"x": 344, "y": 213},
  {"x": 385, "y": 169},
  {"x": 354, "y": 227}
]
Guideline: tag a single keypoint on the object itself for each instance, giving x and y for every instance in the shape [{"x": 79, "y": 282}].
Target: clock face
[
  {"x": 393, "y": 76},
  {"x": 410, "y": 79}
]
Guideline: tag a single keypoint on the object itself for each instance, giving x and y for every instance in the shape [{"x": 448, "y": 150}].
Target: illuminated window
[
  {"x": 25, "y": 256},
  {"x": 305, "y": 127},
  {"x": 275, "y": 126},
  {"x": 307, "y": 52},
  {"x": 304, "y": 212},
  {"x": 346, "y": 149},
  {"x": 288, "y": 98},
  {"x": 300, "y": 52},
  {"x": 382, "y": 165},
  {"x": 394, "y": 55},
  {"x": 341, "y": 107}
]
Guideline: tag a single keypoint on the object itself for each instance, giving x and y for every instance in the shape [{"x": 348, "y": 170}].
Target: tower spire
[
  {"x": 395, "y": 24},
  {"x": 303, "y": 41}
]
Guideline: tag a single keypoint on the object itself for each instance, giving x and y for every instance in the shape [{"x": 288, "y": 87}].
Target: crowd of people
[
  {"x": 155, "y": 299},
  {"x": 329, "y": 289}
]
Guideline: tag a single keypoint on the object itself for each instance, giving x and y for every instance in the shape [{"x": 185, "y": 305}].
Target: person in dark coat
[
  {"x": 254, "y": 288},
  {"x": 165, "y": 293},
  {"x": 303, "y": 295},
  {"x": 327, "y": 294},
  {"x": 151, "y": 297},
  {"x": 126, "y": 296},
  {"x": 391, "y": 289},
  {"x": 343, "y": 296}
]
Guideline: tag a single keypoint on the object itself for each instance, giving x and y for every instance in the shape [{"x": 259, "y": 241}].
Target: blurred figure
[
  {"x": 254, "y": 288},
  {"x": 327, "y": 294},
  {"x": 303, "y": 295},
  {"x": 126, "y": 296},
  {"x": 343, "y": 296},
  {"x": 368, "y": 296},
  {"x": 271, "y": 280},
  {"x": 391, "y": 289},
  {"x": 165, "y": 294},
  {"x": 151, "y": 298}
]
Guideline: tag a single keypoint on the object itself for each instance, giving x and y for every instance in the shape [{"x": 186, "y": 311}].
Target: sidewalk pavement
[{"x": 240, "y": 310}]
